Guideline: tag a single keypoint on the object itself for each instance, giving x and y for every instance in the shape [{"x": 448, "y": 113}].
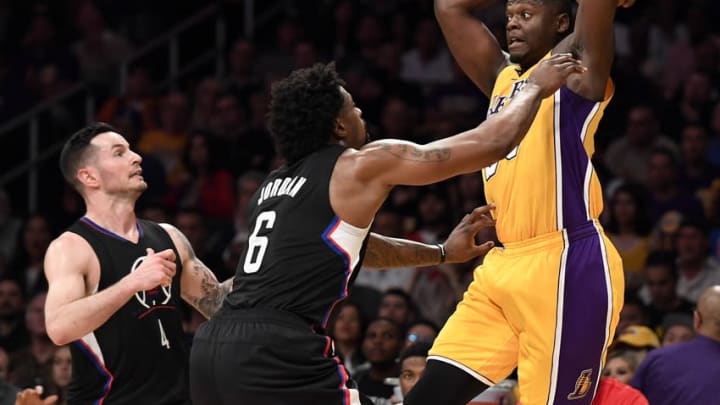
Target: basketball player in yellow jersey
[{"x": 549, "y": 301}]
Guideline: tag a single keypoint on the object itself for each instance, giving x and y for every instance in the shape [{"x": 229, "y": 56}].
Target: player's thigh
[
  {"x": 477, "y": 337},
  {"x": 566, "y": 329}
]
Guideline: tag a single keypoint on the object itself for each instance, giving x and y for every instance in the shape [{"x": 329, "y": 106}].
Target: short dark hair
[
  {"x": 75, "y": 151},
  {"x": 303, "y": 110},
  {"x": 420, "y": 349},
  {"x": 665, "y": 260}
]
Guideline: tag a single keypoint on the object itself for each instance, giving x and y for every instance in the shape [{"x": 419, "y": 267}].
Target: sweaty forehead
[{"x": 108, "y": 140}]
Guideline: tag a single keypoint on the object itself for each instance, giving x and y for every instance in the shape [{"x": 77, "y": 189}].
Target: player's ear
[
  {"x": 87, "y": 176},
  {"x": 563, "y": 23},
  {"x": 340, "y": 130}
]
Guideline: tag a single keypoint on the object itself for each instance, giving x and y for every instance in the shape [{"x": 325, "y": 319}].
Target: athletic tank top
[
  {"x": 548, "y": 182},
  {"x": 139, "y": 356},
  {"x": 300, "y": 256}
]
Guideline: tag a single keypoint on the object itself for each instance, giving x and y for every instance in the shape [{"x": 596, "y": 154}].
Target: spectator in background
[
  {"x": 421, "y": 331},
  {"x": 27, "y": 266},
  {"x": 100, "y": 51},
  {"x": 346, "y": 326},
  {"x": 628, "y": 229},
  {"x": 697, "y": 172},
  {"x": 627, "y": 157},
  {"x": 637, "y": 341},
  {"x": 194, "y": 226},
  {"x": 694, "y": 105},
  {"x": 136, "y": 110},
  {"x": 278, "y": 58},
  {"x": 13, "y": 334},
  {"x": 698, "y": 270},
  {"x": 677, "y": 328},
  {"x": 665, "y": 191},
  {"x": 633, "y": 312},
  {"x": 61, "y": 374},
  {"x": 713, "y": 150},
  {"x": 7, "y": 390},
  {"x": 686, "y": 373},
  {"x": 428, "y": 63},
  {"x": 204, "y": 99},
  {"x": 33, "y": 364},
  {"x": 205, "y": 185},
  {"x": 381, "y": 347},
  {"x": 47, "y": 65},
  {"x": 243, "y": 77},
  {"x": 10, "y": 227},
  {"x": 660, "y": 290},
  {"x": 398, "y": 306},
  {"x": 620, "y": 365},
  {"x": 412, "y": 365},
  {"x": 168, "y": 141},
  {"x": 247, "y": 185}
]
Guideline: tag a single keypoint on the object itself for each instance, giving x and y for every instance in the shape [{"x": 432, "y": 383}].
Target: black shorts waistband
[{"x": 265, "y": 315}]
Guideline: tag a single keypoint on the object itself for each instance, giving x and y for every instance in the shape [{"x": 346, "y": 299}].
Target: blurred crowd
[{"x": 206, "y": 149}]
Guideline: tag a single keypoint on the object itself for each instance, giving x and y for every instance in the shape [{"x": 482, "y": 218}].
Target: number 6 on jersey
[{"x": 257, "y": 245}]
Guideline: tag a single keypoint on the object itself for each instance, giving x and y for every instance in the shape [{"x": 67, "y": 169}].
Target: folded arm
[{"x": 198, "y": 285}]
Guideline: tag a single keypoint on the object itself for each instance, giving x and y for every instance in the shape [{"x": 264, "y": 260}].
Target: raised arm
[
  {"x": 198, "y": 285},
  {"x": 472, "y": 44},
  {"x": 384, "y": 252},
  {"x": 394, "y": 162},
  {"x": 72, "y": 310},
  {"x": 592, "y": 41}
]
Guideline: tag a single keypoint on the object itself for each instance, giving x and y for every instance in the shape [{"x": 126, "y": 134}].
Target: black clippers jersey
[
  {"x": 139, "y": 355},
  {"x": 300, "y": 256}
]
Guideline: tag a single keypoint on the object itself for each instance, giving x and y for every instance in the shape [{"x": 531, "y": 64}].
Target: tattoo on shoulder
[{"x": 412, "y": 152}]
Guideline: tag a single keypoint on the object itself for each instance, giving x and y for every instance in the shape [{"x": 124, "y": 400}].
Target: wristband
[{"x": 443, "y": 254}]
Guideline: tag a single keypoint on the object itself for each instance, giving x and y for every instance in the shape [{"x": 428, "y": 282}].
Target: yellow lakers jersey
[{"x": 547, "y": 183}]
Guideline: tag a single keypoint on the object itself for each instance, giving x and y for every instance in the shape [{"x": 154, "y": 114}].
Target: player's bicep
[
  {"x": 66, "y": 265},
  {"x": 474, "y": 47}
]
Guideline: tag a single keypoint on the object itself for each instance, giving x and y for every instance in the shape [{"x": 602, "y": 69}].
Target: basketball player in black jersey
[
  {"x": 309, "y": 234},
  {"x": 115, "y": 282}
]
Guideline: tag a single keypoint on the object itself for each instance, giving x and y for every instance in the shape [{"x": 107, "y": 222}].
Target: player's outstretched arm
[
  {"x": 384, "y": 252},
  {"x": 592, "y": 41},
  {"x": 71, "y": 310},
  {"x": 198, "y": 285},
  {"x": 394, "y": 162},
  {"x": 474, "y": 47}
]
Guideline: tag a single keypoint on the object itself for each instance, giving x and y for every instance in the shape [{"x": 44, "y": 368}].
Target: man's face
[
  {"x": 661, "y": 284},
  {"x": 411, "y": 370},
  {"x": 382, "y": 343},
  {"x": 394, "y": 307},
  {"x": 532, "y": 30},
  {"x": 116, "y": 165},
  {"x": 11, "y": 302}
]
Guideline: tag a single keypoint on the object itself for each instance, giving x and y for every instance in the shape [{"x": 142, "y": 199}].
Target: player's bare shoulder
[{"x": 71, "y": 253}]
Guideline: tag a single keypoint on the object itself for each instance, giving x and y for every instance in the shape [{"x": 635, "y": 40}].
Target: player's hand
[
  {"x": 552, "y": 73},
  {"x": 460, "y": 246},
  {"x": 31, "y": 396},
  {"x": 626, "y": 3},
  {"x": 157, "y": 269}
]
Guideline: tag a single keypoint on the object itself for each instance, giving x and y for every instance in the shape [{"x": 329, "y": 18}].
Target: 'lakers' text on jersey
[
  {"x": 300, "y": 257},
  {"x": 139, "y": 356},
  {"x": 547, "y": 183}
]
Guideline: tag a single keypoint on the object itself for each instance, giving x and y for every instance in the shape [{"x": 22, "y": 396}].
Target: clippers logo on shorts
[
  {"x": 582, "y": 385},
  {"x": 157, "y": 296}
]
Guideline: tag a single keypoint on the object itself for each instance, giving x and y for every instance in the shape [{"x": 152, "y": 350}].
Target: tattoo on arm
[
  {"x": 212, "y": 292},
  {"x": 385, "y": 252},
  {"x": 411, "y": 152}
]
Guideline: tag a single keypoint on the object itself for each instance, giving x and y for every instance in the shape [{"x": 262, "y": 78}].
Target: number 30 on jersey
[{"x": 257, "y": 245}]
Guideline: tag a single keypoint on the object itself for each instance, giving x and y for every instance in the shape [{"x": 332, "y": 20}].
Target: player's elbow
[{"x": 58, "y": 333}]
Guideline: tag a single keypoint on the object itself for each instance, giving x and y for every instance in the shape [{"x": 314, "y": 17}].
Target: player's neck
[{"x": 116, "y": 215}]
